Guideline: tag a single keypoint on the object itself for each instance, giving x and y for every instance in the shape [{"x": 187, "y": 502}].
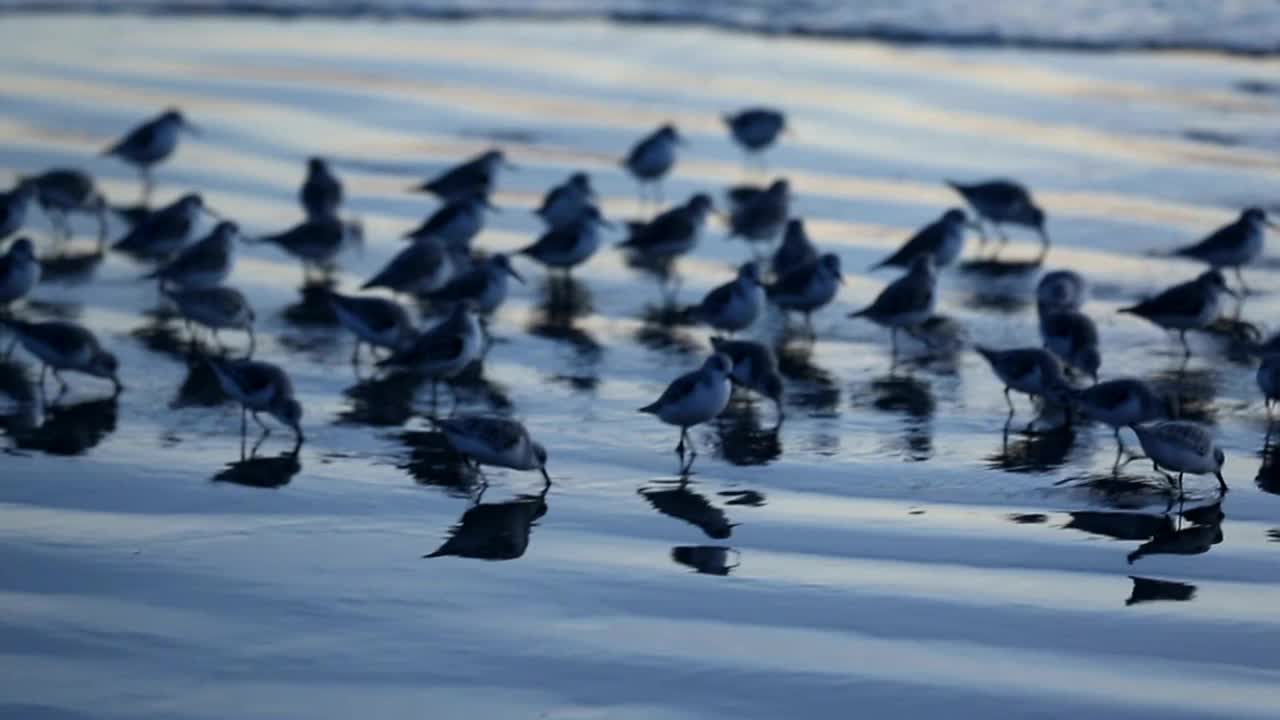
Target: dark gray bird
[
  {"x": 1073, "y": 338},
  {"x": 476, "y": 176},
  {"x": 316, "y": 242},
  {"x": 151, "y": 143},
  {"x": 378, "y": 322},
  {"x": 1001, "y": 202},
  {"x": 443, "y": 351},
  {"x": 907, "y": 302},
  {"x": 1121, "y": 403},
  {"x": 483, "y": 287},
  {"x": 1035, "y": 372},
  {"x": 216, "y": 308},
  {"x": 565, "y": 203},
  {"x": 650, "y": 159},
  {"x": 19, "y": 272},
  {"x": 63, "y": 346},
  {"x": 755, "y": 368},
  {"x": 943, "y": 239},
  {"x": 203, "y": 264},
  {"x": 260, "y": 387},
  {"x": 62, "y": 191},
  {"x": 760, "y": 217},
  {"x": 671, "y": 233},
  {"x": 456, "y": 223},
  {"x": 733, "y": 306},
  {"x": 755, "y": 129},
  {"x": 1191, "y": 305},
  {"x": 497, "y": 441},
  {"x": 808, "y": 288},
  {"x": 571, "y": 245},
  {"x": 420, "y": 268},
  {"x": 165, "y": 231},
  {"x": 1233, "y": 245},
  {"x": 796, "y": 249},
  {"x": 321, "y": 191}
]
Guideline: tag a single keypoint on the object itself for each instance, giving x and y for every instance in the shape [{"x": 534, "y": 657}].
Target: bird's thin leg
[
  {"x": 680, "y": 448},
  {"x": 355, "y": 355},
  {"x": 265, "y": 430},
  {"x": 62, "y": 384},
  {"x": 1180, "y": 493},
  {"x": 808, "y": 326},
  {"x": 1186, "y": 349},
  {"x": 453, "y": 396},
  {"x": 1244, "y": 289},
  {"x": 261, "y": 439},
  {"x": 1008, "y": 400},
  {"x": 1115, "y": 468},
  {"x": 893, "y": 343},
  {"x": 253, "y": 341}
]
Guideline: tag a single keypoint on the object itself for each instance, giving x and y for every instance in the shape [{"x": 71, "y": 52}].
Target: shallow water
[{"x": 890, "y": 545}]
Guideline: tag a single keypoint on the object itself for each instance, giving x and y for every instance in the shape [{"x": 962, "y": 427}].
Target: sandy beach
[{"x": 893, "y": 552}]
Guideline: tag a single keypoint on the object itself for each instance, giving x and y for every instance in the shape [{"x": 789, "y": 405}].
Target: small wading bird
[
  {"x": 1233, "y": 245},
  {"x": 692, "y": 399},
  {"x": 149, "y": 144},
  {"x": 1182, "y": 447},
  {"x": 260, "y": 387},
  {"x": 497, "y": 441},
  {"x": 1002, "y": 202},
  {"x": 651, "y": 159},
  {"x": 1193, "y": 305},
  {"x": 755, "y": 130}
]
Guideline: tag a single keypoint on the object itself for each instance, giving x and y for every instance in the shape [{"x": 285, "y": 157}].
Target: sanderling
[
  {"x": 1234, "y": 245},
  {"x": 64, "y": 346},
  {"x": 497, "y": 441},
  {"x": 564, "y": 203},
  {"x": 652, "y": 158},
  {"x": 1121, "y": 403},
  {"x": 1182, "y": 447},
  {"x": 164, "y": 231},
  {"x": 807, "y": 288},
  {"x": 420, "y": 268},
  {"x": 1073, "y": 338},
  {"x": 755, "y": 367},
  {"x": 943, "y": 239},
  {"x": 796, "y": 249},
  {"x": 203, "y": 264},
  {"x": 260, "y": 387},
  {"x": 1191, "y": 305},
  {"x": 571, "y": 245},
  {"x": 671, "y": 233},
  {"x": 316, "y": 242},
  {"x": 1035, "y": 372},
  {"x": 150, "y": 143},
  {"x": 475, "y": 176},
  {"x": 483, "y": 287},
  {"x": 755, "y": 129},
  {"x": 216, "y": 308},
  {"x": 455, "y": 223},
  {"x": 1268, "y": 379},
  {"x": 19, "y": 271},
  {"x": 1062, "y": 290},
  {"x": 906, "y": 302},
  {"x": 760, "y": 218},
  {"x": 1004, "y": 201},
  {"x": 443, "y": 351},
  {"x": 380, "y": 322},
  {"x": 734, "y": 305},
  {"x": 14, "y": 206},
  {"x": 692, "y": 399},
  {"x": 62, "y": 191},
  {"x": 321, "y": 191}
]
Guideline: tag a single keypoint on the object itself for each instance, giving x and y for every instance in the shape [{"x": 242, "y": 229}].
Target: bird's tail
[
  {"x": 651, "y": 408},
  {"x": 860, "y": 313},
  {"x": 1131, "y": 310},
  {"x": 987, "y": 353}
]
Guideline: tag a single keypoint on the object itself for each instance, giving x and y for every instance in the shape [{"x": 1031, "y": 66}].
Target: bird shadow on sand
[
  {"x": 261, "y": 472},
  {"x": 433, "y": 462},
  {"x": 494, "y": 531}
]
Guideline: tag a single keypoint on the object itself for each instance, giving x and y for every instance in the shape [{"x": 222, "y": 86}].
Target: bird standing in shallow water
[
  {"x": 1062, "y": 290},
  {"x": 321, "y": 191},
  {"x": 420, "y": 268},
  {"x": 1268, "y": 378},
  {"x": 1191, "y": 305},
  {"x": 906, "y": 302},
  {"x": 64, "y": 346},
  {"x": 442, "y": 352},
  {"x": 565, "y": 203},
  {"x": 476, "y": 176},
  {"x": 1121, "y": 403},
  {"x": 165, "y": 231},
  {"x": 755, "y": 130},
  {"x": 379, "y": 322},
  {"x": 733, "y": 306},
  {"x": 669, "y": 235},
  {"x": 1032, "y": 371},
  {"x": 571, "y": 245},
  {"x": 692, "y": 399},
  {"x": 943, "y": 239},
  {"x": 796, "y": 249},
  {"x": 760, "y": 217},
  {"x": 651, "y": 159},
  {"x": 455, "y": 224},
  {"x": 498, "y": 441},
  {"x": 62, "y": 191},
  {"x": 755, "y": 368},
  {"x": 151, "y": 143},
  {"x": 1234, "y": 245},
  {"x": 204, "y": 264},
  {"x": 483, "y": 287},
  {"x": 1183, "y": 447},
  {"x": 216, "y": 308},
  {"x": 317, "y": 242},
  {"x": 808, "y": 288},
  {"x": 1002, "y": 202},
  {"x": 260, "y": 387}
]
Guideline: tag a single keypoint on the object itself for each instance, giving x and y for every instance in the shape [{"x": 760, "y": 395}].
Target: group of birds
[{"x": 439, "y": 266}]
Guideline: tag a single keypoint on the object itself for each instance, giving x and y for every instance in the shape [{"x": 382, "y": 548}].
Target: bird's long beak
[
  {"x": 194, "y": 130},
  {"x": 515, "y": 274}
]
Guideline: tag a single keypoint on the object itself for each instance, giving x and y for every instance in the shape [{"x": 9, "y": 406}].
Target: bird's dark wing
[
  {"x": 795, "y": 281},
  {"x": 436, "y": 222},
  {"x": 500, "y": 433},
  {"x": 901, "y": 296},
  {"x": 1184, "y": 299},
  {"x": 140, "y": 137},
  {"x": 679, "y": 388},
  {"x": 560, "y": 240},
  {"x": 926, "y": 240},
  {"x": 553, "y": 196},
  {"x": 429, "y": 348},
  {"x": 465, "y": 286},
  {"x": 1223, "y": 238},
  {"x": 717, "y": 299}
]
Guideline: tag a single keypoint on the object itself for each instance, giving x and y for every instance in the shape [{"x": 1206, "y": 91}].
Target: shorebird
[
  {"x": 475, "y": 176},
  {"x": 755, "y": 129},
  {"x": 62, "y": 191},
  {"x": 443, "y": 351},
  {"x": 420, "y": 268},
  {"x": 1191, "y": 305},
  {"x": 455, "y": 223},
  {"x": 1072, "y": 337},
  {"x": 807, "y": 288},
  {"x": 692, "y": 399},
  {"x": 321, "y": 191},
  {"x": 164, "y": 231},
  {"x": 1121, "y": 403},
  {"x": 497, "y": 441},
  {"x": 1234, "y": 245},
  {"x": 796, "y": 249},
  {"x": 216, "y": 308},
  {"x": 755, "y": 367},
  {"x": 734, "y": 305},
  {"x": 759, "y": 218},
  {"x": 483, "y": 287},
  {"x": 943, "y": 239},
  {"x": 19, "y": 272},
  {"x": 378, "y": 322},
  {"x": 1062, "y": 290},
  {"x": 671, "y": 233},
  {"x": 1004, "y": 201},
  {"x": 260, "y": 387},
  {"x": 150, "y": 143},
  {"x": 652, "y": 158},
  {"x": 1182, "y": 447},
  {"x": 564, "y": 203},
  {"x": 14, "y": 206},
  {"x": 1268, "y": 379},
  {"x": 570, "y": 245},
  {"x": 316, "y": 242},
  {"x": 1032, "y": 371},
  {"x": 906, "y": 302},
  {"x": 63, "y": 346},
  {"x": 203, "y": 264}
]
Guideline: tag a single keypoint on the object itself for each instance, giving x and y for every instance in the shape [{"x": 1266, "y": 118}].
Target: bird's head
[{"x": 719, "y": 363}]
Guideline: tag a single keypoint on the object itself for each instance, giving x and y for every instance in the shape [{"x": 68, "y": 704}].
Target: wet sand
[{"x": 891, "y": 548}]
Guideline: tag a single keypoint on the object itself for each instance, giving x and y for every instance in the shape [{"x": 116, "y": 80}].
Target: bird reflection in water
[
  {"x": 55, "y": 429},
  {"x": 433, "y": 461},
  {"x": 662, "y": 328},
  {"x": 1039, "y": 452},
  {"x": 742, "y": 440},
  {"x": 313, "y": 308},
  {"x": 1268, "y": 477},
  {"x": 70, "y": 268},
  {"x": 1121, "y": 491},
  {"x": 495, "y": 531},
  {"x": 582, "y": 366},
  {"x": 382, "y": 401},
  {"x": 811, "y": 388},
  {"x": 1151, "y": 590},
  {"x": 684, "y": 504},
  {"x": 1191, "y": 392},
  {"x": 909, "y": 397},
  {"x": 261, "y": 472},
  {"x": 1005, "y": 286},
  {"x": 564, "y": 296},
  {"x": 707, "y": 559},
  {"x": 471, "y": 388},
  {"x": 1203, "y": 530}
]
